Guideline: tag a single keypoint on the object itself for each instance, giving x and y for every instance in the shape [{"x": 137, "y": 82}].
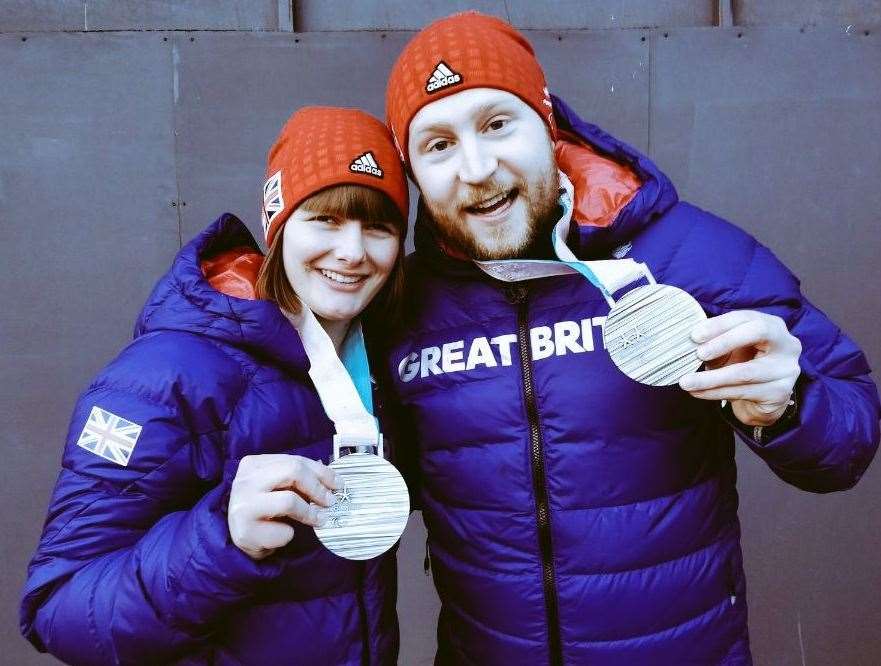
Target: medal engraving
[
  {"x": 648, "y": 334},
  {"x": 339, "y": 511}
]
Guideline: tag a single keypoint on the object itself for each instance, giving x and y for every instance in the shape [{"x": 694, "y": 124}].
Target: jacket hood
[
  {"x": 619, "y": 191},
  {"x": 185, "y": 300}
]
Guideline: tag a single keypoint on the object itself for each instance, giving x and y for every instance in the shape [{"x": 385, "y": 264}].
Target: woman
[{"x": 180, "y": 526}]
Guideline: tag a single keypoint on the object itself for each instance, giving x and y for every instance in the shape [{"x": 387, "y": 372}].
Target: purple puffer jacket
[
  {"x": 575, "y": 516},
  {"x": 135, "y": 564}
]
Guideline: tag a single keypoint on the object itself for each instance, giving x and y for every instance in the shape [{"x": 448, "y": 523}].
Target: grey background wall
[{"x": 126, "y": 127}]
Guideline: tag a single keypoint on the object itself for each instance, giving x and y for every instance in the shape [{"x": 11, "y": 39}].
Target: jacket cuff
[
  {"x": 762, "y": 436},
  {"x": 217, "y": 574}
]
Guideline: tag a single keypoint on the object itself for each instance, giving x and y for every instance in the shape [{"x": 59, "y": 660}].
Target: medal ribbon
[
  {"x": 608, "y": 275},
  {"x": 344, "y": 390}
]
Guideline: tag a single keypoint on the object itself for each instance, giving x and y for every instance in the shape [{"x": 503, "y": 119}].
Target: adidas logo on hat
[
  {"x": 366, "y": 164},
  {"x": 442, "y": 77}
]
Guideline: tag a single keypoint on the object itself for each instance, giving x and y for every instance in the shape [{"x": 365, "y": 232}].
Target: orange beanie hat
[
  {"x": 466, "y": 50},
  {"x": 324, "y": 146}
]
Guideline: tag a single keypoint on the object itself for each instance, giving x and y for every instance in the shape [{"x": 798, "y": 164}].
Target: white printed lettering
[
  {"x": 480, "y": 354},
  {"x": 601, "y": 322},
  {"x": 428, "y": 361},
  {"x": 504, "y": 343},
  {"x": 451, "y": 359},
  {"x": 541, "y": 342},
  {"x": 586, "y": 335},
  {"x": 409, "y": 366},
  {"x": 566, "y": 337}
]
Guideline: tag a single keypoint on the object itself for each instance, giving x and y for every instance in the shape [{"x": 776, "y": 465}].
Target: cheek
[
  {"x": 304, "y": 246},
  {"x": 435, "y": 181},
  {"x": 297, "y": 254},
  {"x": 383, "y": 253}
]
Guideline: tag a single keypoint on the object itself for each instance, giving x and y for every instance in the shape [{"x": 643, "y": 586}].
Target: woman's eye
[
  {"x": 438, "y": 146},
  {"x": 328, "y": 219},
  {"x": 381, "y": 227},
  {"x": 496, "y": 125}
]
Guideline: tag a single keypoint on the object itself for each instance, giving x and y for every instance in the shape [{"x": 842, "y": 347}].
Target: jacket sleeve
[
  {"x": 835, "y": 433},
  {"x": 135, "y": 563}
]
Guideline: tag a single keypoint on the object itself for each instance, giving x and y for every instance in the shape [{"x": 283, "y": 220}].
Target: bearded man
[{"x": 574, "y": 515}]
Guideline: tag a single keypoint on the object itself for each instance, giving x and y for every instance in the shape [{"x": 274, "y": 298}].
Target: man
[{"x": 574, "y": 515}]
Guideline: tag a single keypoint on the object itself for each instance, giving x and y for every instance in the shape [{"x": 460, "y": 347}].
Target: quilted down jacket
[
  {"x": 135, "y": 564},
  {"x": 574, "y": 515}
]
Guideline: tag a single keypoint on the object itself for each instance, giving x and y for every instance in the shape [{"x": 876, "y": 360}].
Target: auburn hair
[{"x": 352, "y": 202}]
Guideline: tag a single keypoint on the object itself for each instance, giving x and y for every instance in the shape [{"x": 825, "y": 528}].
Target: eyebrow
[{"x": 483, "y": 110}]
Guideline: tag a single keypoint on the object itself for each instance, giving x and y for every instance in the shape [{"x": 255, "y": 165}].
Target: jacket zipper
[
  {"x": 518, "y": 294},
  {"x": 731, "y": 580},
  {"x": 362, "y": 611}
]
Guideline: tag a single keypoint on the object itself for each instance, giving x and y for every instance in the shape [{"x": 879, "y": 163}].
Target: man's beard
[{"x": 511, "y": 239}]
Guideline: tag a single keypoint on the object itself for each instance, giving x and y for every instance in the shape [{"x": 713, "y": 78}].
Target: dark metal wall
[{"x": 127, "y": 127}]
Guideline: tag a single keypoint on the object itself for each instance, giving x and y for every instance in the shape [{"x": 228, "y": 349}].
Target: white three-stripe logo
[
  {"x": 366, "y": 163},
  {"x": 109, "y": 436},
  {"x": 441, "y": 77}
]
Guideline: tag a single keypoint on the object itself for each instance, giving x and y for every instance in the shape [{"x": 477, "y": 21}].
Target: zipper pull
[
  {"x": 515, "y": 292},
  {"x": 732, "y": 582},
  {"x": 426, "y": 563}
]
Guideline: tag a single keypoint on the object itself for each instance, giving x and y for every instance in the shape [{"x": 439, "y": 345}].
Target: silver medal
[
  {"x": 648, "y": 334},
  {"x": 370, "y": 511}
]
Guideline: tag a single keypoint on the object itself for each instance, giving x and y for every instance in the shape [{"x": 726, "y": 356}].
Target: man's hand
[{"x": 753, "y": 363}]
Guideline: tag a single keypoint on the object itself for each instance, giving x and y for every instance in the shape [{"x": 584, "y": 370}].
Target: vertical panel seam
[
  {"x": 175, "y": 93},
  {"x": 651, "y": 63}
]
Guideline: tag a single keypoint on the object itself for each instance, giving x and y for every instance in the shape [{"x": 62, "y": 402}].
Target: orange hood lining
[
  {"x": 234, "y": 271},
  {"x": 603, "y": 187}
]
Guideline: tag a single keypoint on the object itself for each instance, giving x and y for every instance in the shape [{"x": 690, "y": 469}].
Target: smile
[
  {"x": 342, "y": 279},
  {"x": 494, "y": 206}
]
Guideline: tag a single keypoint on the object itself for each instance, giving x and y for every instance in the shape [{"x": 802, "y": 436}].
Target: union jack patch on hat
[{"x": 273, "y": 201}]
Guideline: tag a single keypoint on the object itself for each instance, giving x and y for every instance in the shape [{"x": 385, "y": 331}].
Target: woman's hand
[{"x": 271, "y": 487}]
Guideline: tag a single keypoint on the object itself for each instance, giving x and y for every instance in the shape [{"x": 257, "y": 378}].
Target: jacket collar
[{"x": 185, "y": 300}]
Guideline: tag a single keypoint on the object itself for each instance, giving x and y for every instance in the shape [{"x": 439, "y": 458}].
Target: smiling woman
[
  {"x": 340, "y": 254},
  {"x": 196, "y": 466}
]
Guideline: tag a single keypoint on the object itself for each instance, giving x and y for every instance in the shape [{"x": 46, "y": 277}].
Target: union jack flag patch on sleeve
[{"x": 109, "y": 436}]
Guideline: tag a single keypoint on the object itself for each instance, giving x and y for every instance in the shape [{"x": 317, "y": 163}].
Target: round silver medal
[
  {"x": 370, "y": 511},
  {"x": 648, "y": 334}
]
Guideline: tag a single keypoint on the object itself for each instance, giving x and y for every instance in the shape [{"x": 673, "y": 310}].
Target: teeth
[
  {"x": 491, "y": 202},
  {"x": 339, "y": 277}
]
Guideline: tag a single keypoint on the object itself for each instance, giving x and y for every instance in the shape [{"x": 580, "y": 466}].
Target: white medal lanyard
[
  {"x": 647, "y": 331},
  {"x": 609, "y": 276},
  {"x": 371, "y": 510},
  {"x": 355, "y": 426}
]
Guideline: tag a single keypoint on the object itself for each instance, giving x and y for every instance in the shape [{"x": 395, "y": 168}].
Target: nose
[
  {"x": 350, "y": 243},
  {"x": 478, "y": 163}
]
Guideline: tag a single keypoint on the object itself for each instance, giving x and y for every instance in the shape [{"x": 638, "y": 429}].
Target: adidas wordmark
[
  {"x": 442, "y": 77},
  {"x": 366, "y": 164}
]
